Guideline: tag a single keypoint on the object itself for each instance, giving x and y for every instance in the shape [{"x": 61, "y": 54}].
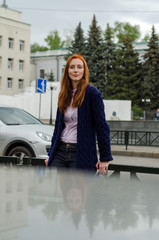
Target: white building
[
  {"x": 140, "y": 47},
  {"x": 49, "y": 61},
  {"x": 14, "y": 52}
]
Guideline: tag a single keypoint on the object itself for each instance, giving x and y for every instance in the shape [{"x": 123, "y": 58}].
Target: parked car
[{"x": 21, "y": 134}]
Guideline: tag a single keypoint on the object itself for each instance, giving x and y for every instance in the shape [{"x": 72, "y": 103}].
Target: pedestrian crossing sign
[{"x": 41, "y": 85}]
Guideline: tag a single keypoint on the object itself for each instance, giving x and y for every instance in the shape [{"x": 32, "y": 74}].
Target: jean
[{"x": 65, "y": 156}]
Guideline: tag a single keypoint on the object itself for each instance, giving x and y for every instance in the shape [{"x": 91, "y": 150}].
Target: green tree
[
  {"x": 125, "y": 79},
  {"x": 151, "y": 72},
  {"x": 68, "y": 36},
  {"x": 125, "y": 31},
  {"x": 78, "y": 43},
  {"x": 35, "y": 47},
  {"x": 54, "y": 41},
  {"x": 109, "y": 53},
  {"x": 146, "y": 38},
  {"x": 94, "y": 55},
  {"x": 137, "y": 112}
]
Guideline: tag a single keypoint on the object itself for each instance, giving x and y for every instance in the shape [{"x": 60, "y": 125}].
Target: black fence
[
  {"x": 136, "y": 138},
  {"x": 116, "y": 168},
  {"x": 150, "y": 115},
  {"x": 26, "y": 161}
]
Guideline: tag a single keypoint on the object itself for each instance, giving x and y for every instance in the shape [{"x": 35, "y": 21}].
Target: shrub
[{"x": 137, "y": 112}]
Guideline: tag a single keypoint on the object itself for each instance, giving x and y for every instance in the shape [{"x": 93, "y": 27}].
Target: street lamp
[
  {"x": 51, "y": 80},
  {"x": 145, "y": 100},
  {"x": 51, "y": 89}
]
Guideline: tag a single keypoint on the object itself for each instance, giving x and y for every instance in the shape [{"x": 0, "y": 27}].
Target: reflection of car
[{"x": 21, "y": 134}]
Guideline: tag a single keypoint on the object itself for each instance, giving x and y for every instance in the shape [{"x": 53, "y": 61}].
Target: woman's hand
[
  {"x": 102, "y": 167},
  {"x": 46, "y": 162}
]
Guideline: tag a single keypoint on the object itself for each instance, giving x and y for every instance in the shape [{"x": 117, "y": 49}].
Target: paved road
[
  {"x": 135, "y": 155},
  {"x": 137, "y": 161},
  {"x": 136, "y": 151}
]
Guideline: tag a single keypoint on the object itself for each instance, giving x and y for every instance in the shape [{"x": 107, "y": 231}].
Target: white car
[{"x": 21, "y": 134}]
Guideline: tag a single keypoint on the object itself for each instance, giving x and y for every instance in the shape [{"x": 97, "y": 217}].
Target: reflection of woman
[
  {"x": 80, "y": 117},
  {"x": 74, "y": 190}
]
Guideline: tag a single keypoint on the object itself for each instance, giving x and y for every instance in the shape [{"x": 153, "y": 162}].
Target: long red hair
[{"x": 65, "y": 94}]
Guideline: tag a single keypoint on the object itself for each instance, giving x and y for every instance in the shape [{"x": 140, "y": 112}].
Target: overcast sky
[{"x": 64, "y": 15}]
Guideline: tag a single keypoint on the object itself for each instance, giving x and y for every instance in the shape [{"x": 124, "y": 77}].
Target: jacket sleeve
[
  {"x": 101, "y": 126},
  {"x": 55, "y": 130}
]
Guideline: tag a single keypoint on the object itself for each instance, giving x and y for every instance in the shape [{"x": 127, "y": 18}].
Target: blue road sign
[{"x": 41, "y": 85}]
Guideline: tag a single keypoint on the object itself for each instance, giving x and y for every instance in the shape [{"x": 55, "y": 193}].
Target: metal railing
[
  {"x": 137, "y": 138},
  {"x": 117, "y": 168},
  {"x": 26, "y": 161}
]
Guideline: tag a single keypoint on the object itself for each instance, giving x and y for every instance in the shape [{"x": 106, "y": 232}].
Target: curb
[{"x": 135, "y": 154}]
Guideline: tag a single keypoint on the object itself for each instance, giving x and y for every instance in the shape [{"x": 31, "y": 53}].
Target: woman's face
[{"x": 76, "y": 70}]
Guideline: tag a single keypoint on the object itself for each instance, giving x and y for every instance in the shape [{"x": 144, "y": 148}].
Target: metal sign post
[{"x": 40, "y": 88}]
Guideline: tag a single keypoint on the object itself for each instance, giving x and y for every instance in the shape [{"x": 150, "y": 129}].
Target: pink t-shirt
[{"x": 69, "y": 134}]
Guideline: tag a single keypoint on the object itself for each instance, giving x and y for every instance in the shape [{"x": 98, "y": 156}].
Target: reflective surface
[
  {"x": 16, "y": 116},
  {"x": 37, "y": 203}
]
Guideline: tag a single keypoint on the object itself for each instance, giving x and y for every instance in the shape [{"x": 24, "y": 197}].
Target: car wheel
[{"x": 20, "y": 152}]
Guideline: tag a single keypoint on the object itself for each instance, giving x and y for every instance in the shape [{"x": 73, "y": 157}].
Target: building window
[
  {"x": 0, "y": 41},
  {"x": 8, "y": 187},
  {"x": 21, "y": 65},
  {"x": 0, "y": 62},
  {"x": 10, "y": 82},
  {"x": 8, "y": 207},
  {"x": 10, "y": 42},
  {"x": 10, "y": 63},
  {"x": 62, "y": 71},
  {"x": 21, "y": 45},
  {"x": 21, "y": 84},
  {"x": 42, "y": 73},
  {"x": 19, "y": 205}
]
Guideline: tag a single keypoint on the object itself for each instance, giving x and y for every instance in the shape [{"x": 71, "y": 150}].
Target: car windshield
[{"x": 15, "y": 116}]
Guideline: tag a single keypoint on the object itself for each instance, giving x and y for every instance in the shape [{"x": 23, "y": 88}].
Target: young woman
[{"x": 80, "y": 119}]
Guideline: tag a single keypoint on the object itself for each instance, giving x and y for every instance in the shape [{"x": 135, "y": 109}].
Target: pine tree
[
  {"x": 94, "y": 56},
  {"x": 51, "y": 77},
  {"x": 109, "y": 50},
  {"x": 78, "y": 44},
  {"x": 125, "y": 79},
  {"x": 151, "y": 72}
]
